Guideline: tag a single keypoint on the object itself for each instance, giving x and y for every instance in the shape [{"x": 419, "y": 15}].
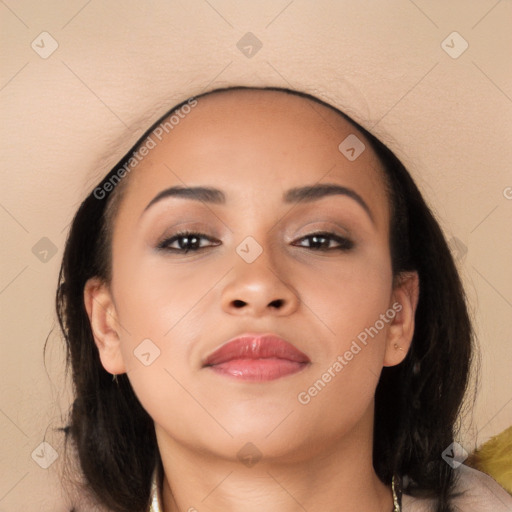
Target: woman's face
[{"x": 259, "y": 269}]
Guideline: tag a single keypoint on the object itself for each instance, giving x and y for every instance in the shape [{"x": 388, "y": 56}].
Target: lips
[{"x": 256, "y": 357}]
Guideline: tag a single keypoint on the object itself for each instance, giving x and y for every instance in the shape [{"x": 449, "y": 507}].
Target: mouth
[{"x": 256, "y": 357}]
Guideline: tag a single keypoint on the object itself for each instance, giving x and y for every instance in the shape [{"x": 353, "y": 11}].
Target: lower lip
[{"x": 258, "y": 370}]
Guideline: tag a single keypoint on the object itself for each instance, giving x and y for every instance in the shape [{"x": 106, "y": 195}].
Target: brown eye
[
  {"x": 322, "y": 241},
  {"x": 186, "y": 241}
]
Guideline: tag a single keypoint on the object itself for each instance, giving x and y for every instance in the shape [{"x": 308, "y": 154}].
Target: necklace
[{"x": 396, "y": 502}]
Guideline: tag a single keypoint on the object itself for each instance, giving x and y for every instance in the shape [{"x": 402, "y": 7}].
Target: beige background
[{"x": 120, "y": 64}]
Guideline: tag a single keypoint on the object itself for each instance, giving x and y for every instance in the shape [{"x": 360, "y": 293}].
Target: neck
[{"x": 339, "y": 477}]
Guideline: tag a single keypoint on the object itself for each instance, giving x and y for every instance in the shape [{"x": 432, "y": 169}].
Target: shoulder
[
  {"x": 475, "y": 492},
  {"x": 480, "y": 492}
]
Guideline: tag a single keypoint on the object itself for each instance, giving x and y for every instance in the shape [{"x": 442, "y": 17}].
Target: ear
[
  {"x": 401, "y": 329},
  {"x": 102, "y": 315}
]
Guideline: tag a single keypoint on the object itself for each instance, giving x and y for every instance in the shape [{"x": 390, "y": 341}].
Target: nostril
[{"x": 277, "y": 303}]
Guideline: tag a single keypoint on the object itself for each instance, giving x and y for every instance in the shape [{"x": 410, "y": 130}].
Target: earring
[
  {"x": 397, "y": 347},
  {"x": 114, "y": 378}
]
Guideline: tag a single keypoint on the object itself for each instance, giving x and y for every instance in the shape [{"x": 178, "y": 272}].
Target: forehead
[
  {"x": 250, "y": 141},
  {"x": 271, "y": 118}
]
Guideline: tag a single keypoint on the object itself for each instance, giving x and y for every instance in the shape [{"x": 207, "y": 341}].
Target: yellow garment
[{"x": 495, "y": 458}]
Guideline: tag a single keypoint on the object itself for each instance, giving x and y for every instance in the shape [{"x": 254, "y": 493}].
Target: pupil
[
  {"x": 189, "y": 241},
  {"x": 318, "y": 240}
]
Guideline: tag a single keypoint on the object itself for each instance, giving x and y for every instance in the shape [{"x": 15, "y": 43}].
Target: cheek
[
  {"x": 351, "y": 296},
  {"x": 160, "y": 320},
  {"x": 341, "y": 388},
  {"x": 160, "y": 310},
  {"x": 154, "y": 298},
  {"x": 352, "y": 303}
]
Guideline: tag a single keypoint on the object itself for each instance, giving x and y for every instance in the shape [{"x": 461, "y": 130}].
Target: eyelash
[{"x": 344, "y": 243}]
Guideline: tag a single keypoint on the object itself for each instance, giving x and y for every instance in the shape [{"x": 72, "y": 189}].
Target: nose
[{"x": 257, "y": 289}]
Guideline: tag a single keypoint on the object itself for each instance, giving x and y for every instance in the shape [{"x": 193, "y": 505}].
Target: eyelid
[
  {"x": 322, "y": 226},
  {"x": 184, "y": 226}
]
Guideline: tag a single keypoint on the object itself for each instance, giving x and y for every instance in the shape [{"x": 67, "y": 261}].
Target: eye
[
  {"x": 186, "y": 241},
  {"x": 190, "y": 241},
  {"x": 322, "y": 241}
]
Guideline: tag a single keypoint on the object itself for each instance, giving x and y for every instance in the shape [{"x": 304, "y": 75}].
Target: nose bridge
[{"x": 258, "y": 282}]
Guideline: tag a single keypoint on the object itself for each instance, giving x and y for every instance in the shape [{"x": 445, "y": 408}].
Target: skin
[{"x": 254, "y": 146}]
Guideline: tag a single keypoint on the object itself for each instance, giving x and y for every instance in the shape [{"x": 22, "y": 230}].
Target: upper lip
[{"x": 256, "y": 346}]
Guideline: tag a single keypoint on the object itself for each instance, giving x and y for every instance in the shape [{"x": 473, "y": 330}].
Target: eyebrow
[{"x": 295, "y": 195}]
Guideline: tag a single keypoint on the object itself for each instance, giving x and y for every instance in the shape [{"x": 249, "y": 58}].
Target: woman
[{"x": 280, "y": 312}]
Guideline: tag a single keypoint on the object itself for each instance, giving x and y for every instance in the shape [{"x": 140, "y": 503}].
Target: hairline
[{"x": 115, "y": 198}]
